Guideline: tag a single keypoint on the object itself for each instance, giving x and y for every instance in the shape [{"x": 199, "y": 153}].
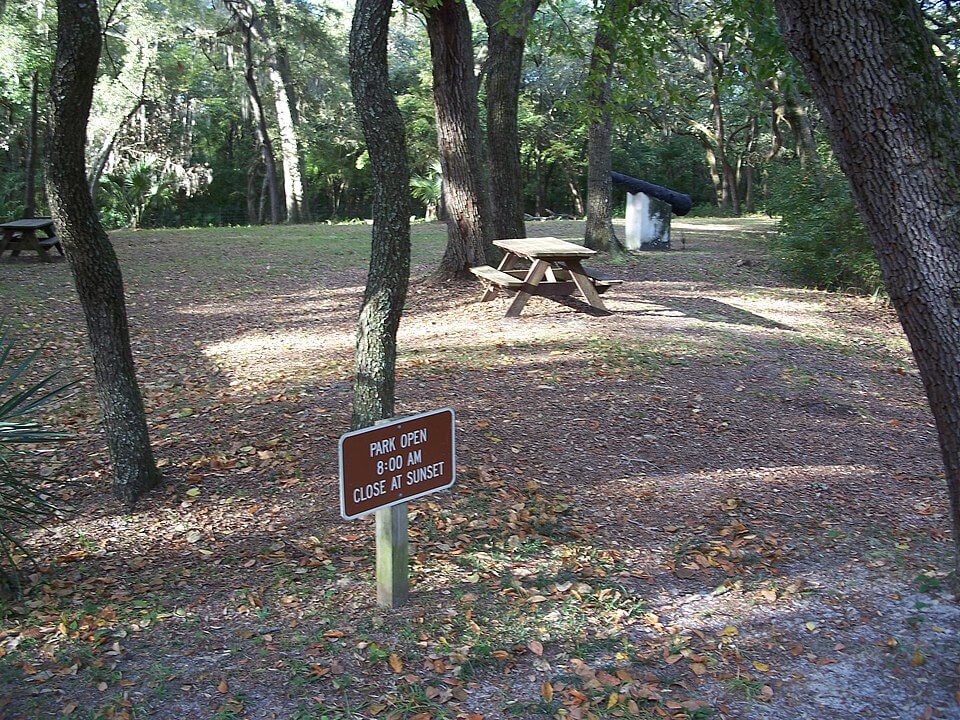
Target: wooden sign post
[
  {"x": 393, "y": 556},
  {"x": 384, "y": 467}
]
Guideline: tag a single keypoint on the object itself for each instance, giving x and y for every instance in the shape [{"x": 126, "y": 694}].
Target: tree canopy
[{"x": 704, "y": 98}]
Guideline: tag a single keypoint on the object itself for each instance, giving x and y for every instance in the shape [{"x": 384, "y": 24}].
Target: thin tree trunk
[
  {"x": 578, "y": 208},
  {"x": 776, "y": 139},
  {"x": 253, "y": 172},
  {"x": 506, "y": 37},
  {"x": 264, "y": 199},
  {"x": 749, "y": 169},
  {"x": 599, "y": 233},
  {"x": 260, "y": 125},
  {"x": 894, "y": 126},
  {"x": 30, "y": 168},
  {"x": 100, "y": 163},
  {"x": 538, "y": 179},
  {"x": 373, "y": 387},
  {"x": 799, "y": 122},
  {"x": 96, "y": 271},
  {"x": 470, "y": 228}
]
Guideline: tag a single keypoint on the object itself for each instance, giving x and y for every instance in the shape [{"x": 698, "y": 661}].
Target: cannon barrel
[{"x": 680, "y": 203}]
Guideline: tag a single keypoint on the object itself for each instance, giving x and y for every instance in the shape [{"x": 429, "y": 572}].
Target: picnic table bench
[
  {"x": 555, "y": 271},
  {"x": 20, "y": 235}
]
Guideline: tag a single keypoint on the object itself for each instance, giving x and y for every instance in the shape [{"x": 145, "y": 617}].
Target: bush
[
  {"x": 22, "y": 501},
  {"x": 822, "y": 241}
]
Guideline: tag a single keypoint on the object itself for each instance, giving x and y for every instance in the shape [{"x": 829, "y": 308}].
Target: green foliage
[
  {"x": 427, "y": 188},
  {"x": 22, "y": 501},
  {"x": 822, "y": 240},
  {"x": 135, "y": 190}
]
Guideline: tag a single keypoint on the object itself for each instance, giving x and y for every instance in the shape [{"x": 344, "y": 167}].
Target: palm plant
[
  {"x": 22, "y": 502},
  {"x": 428, "y": 189},
  {"x": 137, "y": 188}
]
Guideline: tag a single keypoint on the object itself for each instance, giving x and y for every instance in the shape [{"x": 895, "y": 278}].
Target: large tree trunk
[
  {"x": 730, "y": 192},
  {"x": 894, "y": 126},
  {"x": 799, "y": 122},
  {"x": 599, "y": 233},
  {"x": 470, "y": 228},
  {"x": 288, "y": 120},
  {"x": 30, "y": 166},
  {"x": 506, "y": 37},
  {"x": 96, "y": 271},
  {"x": 373, "y": 389},
  {"x": 260, "y": 123},
  {"x": 289, "y": 152},
  {"x": 714, "y": 169}
]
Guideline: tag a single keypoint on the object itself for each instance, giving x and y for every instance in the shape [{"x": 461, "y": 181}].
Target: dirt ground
[{"x": 721, "y": 500}]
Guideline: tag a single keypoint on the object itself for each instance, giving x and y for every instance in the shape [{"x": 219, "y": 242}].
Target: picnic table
[
  {"x": 555, "y": 271},
  {"x": 20, "y": 235}
]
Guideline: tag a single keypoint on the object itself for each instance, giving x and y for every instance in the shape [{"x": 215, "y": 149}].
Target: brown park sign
[{"x": 396, "y": 462}]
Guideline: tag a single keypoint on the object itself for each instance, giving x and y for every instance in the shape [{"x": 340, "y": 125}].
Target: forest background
[{"x": 238, "y": 113}]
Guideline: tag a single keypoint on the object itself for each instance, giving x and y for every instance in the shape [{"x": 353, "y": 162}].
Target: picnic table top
[
  {"x": 544, "y": 247},
  {"x": 28, "y": 224}
]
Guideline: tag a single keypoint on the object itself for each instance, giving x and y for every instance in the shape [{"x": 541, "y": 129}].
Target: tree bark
[
  {"x": 100, "y": 163},
  {"x": 894, "y": 125},
  {"x": 715, "y": 177},
  {"x": 599, "y": 233},
  {"x": 539, "y": 202},
  {"x": 260, "y": 122},
  {"x": 506, "y": 37},
  {"x": 799, "y": 122},
  {"x": 373, "y": 388},
  {"x": 288, "y": 120},
  {"x": 749, "y": 169},
  {"x": 96, "y": 271},
  {"x": 578, "y": 208},
  {"x": 470, "y": 227},
  {"x": 253, "y": 192},
  {"x": 289, "y": 152},
  {"x": 729, "y": 193},
  {"x": 30, "y": 166}
]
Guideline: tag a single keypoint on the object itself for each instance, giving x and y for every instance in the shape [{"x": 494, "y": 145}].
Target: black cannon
[{"x": 680, "y": 203}]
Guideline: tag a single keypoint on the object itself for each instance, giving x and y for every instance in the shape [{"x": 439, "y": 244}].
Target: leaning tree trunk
[
  {"x": 260, "y": 125},
  {"x": 470, "y": 228},
  {"x": 101, "y": 158},
  {"x": 894, "y": 125},
  {"x": 373, "y": 389},
  {"x": 96, "y": 271},
  {"x": 599, "y": 232},
  {"x": 30, "y": 169},
  {"x": 506, "y": 37}
]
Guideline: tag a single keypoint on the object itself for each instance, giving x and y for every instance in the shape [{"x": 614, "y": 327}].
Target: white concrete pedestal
[{"x": 648, "y": 223}]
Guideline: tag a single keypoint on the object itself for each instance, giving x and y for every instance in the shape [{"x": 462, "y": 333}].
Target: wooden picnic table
[
  {"x": 555, "y": 270},
  {"x": 20, "y": 235}
]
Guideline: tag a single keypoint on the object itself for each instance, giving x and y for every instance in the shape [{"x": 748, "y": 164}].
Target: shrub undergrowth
[{"x": 822, "y": 241}]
